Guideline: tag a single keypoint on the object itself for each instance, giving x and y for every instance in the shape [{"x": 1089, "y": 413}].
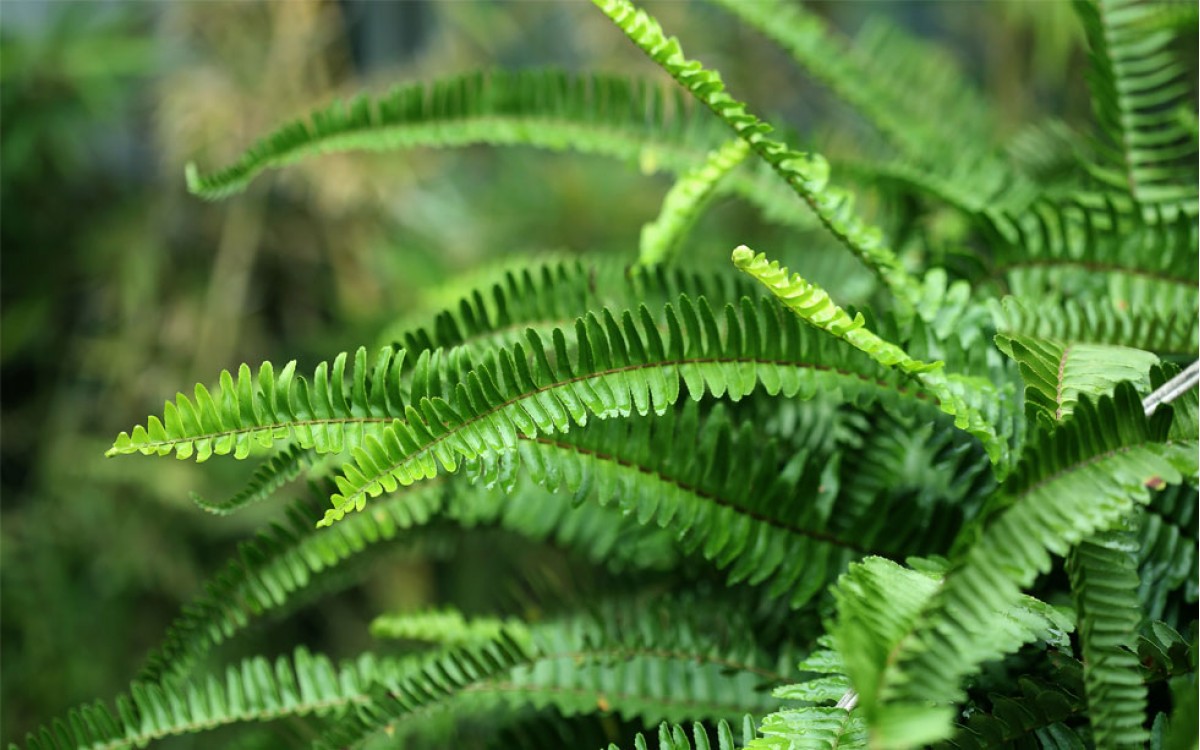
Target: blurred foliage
[{"x": 116, "y": 286}]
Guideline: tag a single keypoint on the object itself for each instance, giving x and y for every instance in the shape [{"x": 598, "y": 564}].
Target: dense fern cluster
[{"x": 956, "y": 516}]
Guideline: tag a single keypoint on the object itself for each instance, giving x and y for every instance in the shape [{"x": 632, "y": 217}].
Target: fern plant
[{"x": 961, "y": 513}]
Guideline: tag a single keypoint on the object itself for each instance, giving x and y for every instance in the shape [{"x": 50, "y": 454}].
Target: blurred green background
[{"x": 118, "y": 289}]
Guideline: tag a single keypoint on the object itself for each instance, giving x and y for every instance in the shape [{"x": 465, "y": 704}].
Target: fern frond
[
  {"x": 1091, "y": 323},
  {"x": 732, "y": 497},
  {"x": 1104, "y": 584},
  {"x": 1040, "y": 711},
  {"x": 879, "y": 604},
  {"x": 812, "y": 728},
  {"x": 1167, "y": 551},
  {"x": 257, "y": 690},
  {"x": 1073, "y": 482},
  {"x": 276, "y": 472},
  {"x": 1137, "y": 86},
  {"x": 1057, "y": 374},
  {"x": 446, "y": 627},
  {"x": 621, "y": 367},
  {"x": 682, "y": 204},
  {"x": 647, "y": 662},
  {"x": 675, "y": 737},
  {"x": 281, "y": 561},
  {"x": 258, "y": 410},
  {"x": 636, "y": 121},
  {"x": 807, "y": 174},
  {"x": 813, "y": 305}
]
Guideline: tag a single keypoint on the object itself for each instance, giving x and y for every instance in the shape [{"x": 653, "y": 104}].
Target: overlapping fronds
[
  {"x": 1069, "y": 250},
  {"x": 684, "y": 201},
  {"x": 1073, "y": 482},
  {"x": 654, "y": 662},
  {"x": 1099, "y": 322},
  {"x": 1104, "y": 582},
  {"x": 280, "y": 469},
  {"x": 807, "y": 174},
  {"x": 879, "y": 605},
  {"x": 623, "y": 366},
  {"x": 811, "y": 728},
  {"x": 1137, "y": 87},
  {"x": 721, "y": 488},
  {"x": 1168, "y": 571},
  {"x": 258, "y": 690},
  {"x": 1057, "y": 374},
  {"x": 813, "y": 305}
]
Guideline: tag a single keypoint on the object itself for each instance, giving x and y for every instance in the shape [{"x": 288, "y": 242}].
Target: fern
[
  {"x": 268, "y": 478},
  {"x": 1104, "y": 582},
  {"x": 1136, "y": 88}
]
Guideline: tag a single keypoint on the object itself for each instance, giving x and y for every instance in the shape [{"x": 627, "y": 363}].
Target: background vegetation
[{"x": 117, "y": 286}]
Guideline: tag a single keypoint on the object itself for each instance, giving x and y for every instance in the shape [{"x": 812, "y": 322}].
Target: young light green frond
[
  {"x": 1104, "y": 584},
  {"x": 729, "y": 495},
  {"x": 1098, "y": 323},
  {"x": 278, "y": 471},
  {"x": 1057, "y": 374},
  {"x": 683, "y": 203},
  {"x": 255, "y": 690},
  {"x": 813, "y": 305},
  {"x": 447, "y": 627},
  {"x": 1137, "y": 86},
  {"x": 807, "y": 174},
  {"x": 1083, "y": 478},
  {"x": 623, "y": 365},
  {"x": 257, "y": 410}
]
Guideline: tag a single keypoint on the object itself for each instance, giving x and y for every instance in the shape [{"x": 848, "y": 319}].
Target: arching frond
[
  {"x": 1137, "y": 86},
  {"x": 621, "y": 367},
  {"x": 276, "y": 472},
  {"x": 1073, "y": 482},
  {"x": 1104, "y": 582},
  {"x": 1168, "y": 570},
  {"x": 260, "y": 409},
  {"x": 257, "y": 690},
  {"x": 807, "y": 174},
  {"x": 683, "y": 202}
]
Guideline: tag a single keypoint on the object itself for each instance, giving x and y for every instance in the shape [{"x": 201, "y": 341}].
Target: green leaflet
[
  {"x": 1057, "y": 374},
  {"x": 807, "y": 174},
  {"x": 1080, "y": 479},
  {"x": 623, "y": 365},
  {"x": 814, "y": 306},
  {"x": 1104, "y": 584},
  {"x": 681, "y": 207}
]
